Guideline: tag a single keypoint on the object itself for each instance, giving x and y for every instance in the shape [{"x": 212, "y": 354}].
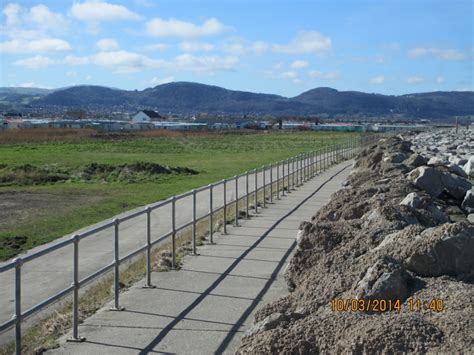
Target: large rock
[
  {"x": 469, "y": 167},
  {"x": 270, "y": 322},
  {"x": 444, "y": 250},
  {"x": 435, "y": 181},
  {"x": 456, "y": 169},
  {"x": 416, "y": 160},
  {"x": 468, "y": 202},
  {"x": 412, "y": 200},
  {"x": 434, "y": 161},
  {"x": 386, "y": 279},
  {"x": 457, "y": 160}
]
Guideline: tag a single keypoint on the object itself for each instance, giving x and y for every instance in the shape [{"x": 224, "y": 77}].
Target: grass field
[{"x": 31, "y": 215}]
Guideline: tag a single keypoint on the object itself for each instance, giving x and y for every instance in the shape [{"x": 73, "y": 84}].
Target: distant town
[{"x": 150, "y": 120}]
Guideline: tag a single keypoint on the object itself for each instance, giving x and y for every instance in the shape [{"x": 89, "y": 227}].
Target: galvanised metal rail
[{"x": 290, "y": 173}]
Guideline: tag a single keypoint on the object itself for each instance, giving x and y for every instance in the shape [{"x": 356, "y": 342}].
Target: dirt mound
[
  {"x": 385, "y": 267},
  {"x": 94, "y": 172}
]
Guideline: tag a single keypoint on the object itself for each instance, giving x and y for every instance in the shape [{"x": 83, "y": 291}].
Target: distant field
[{"x": 53, "y": 183}]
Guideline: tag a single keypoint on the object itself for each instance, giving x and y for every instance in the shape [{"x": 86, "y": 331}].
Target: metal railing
[{"x": 290, "y": 173}]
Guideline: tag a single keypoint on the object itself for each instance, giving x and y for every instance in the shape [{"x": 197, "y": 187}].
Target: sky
[{"x": 281, "y": 47}]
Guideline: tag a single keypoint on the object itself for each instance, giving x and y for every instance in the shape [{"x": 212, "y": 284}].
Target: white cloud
[
  {"x": 276, "y": 73},
  {"x": 107, "y": 44},
  {"x": 299, "y": 64},
  {"x": 306, "y": 43},
  {"x": 126, "y": 62},
  {"x": 36, "y": 45},
  {"x": 71, "y": 74},
  {"x": 123, "y": 61},
  {"x": 444, "y": 54},
  {"x": 195, "y": 46},
  {"x": 329, "y": 76},
  {"x": 35, "y": 62},
  {"x": 440, "y": 79},
  {"x": 414, "y": 80},
  {"x": 44, "y": 18},
  {"x": 119, "y": 61},
  {"x": 74, "y": 60},
  {"x": 394, "y": 46},
  {"x": 157, "y": 47},
  {"x": 209, "y": 64},
  {"x": 377, "y": 80},
  {"x": 31, "y": 84},
  {"x": 377, "y": 59},
  {"x": 101, "y": 11},
  {"x": 259, "y": 47},
  {"x": 12, "y": 13},
  {"x": 160, "y": 81},
  {"x": 289, "y": 75},
  {"x": 159, "y": 27},
  {"x": 240, "y": 47}
]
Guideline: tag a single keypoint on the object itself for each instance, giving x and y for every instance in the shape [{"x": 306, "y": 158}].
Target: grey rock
[
  {"x": 457, "y": 160},
  {"x": 470, "y": 217},
  {"x": 416, "y": 160},
  {"x": 386, "y": 279},
  {"x": 438, "y": 215},
  {"x": 435, "y": 182},
  {"x": 270, "y": 322},
  {"x": 468, "y": 202},
  {"x": 437, "y": 161},
  {"x": 396, "y": 158},
  {"x": 412, "y": 199},
  {"x": 456, "y": 169},
  {"x": 444, "y": 250},
  {"x": 469, "y": 167}
]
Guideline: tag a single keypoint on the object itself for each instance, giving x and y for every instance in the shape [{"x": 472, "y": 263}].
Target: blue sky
[{"x": 280, "y": 46}]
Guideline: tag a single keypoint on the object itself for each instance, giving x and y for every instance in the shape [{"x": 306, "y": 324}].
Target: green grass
[{"x": 215, "y": 156}]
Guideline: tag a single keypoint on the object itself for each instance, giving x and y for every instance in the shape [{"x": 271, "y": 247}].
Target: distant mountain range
[{"x": 191, "y": 98}]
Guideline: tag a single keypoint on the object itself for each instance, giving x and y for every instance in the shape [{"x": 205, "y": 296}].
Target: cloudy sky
[{"x": 273, "y": 46}]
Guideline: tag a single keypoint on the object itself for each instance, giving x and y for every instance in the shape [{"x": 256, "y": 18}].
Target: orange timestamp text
[{"x": 383, "y": 305}]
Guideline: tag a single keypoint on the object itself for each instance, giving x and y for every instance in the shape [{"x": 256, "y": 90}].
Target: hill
[{"x": 190, "y": 98}]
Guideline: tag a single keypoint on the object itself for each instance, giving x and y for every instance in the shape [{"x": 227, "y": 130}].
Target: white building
[{"x": 146, "y": 116}]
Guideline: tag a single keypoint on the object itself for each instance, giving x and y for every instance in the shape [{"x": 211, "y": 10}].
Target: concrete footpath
[{"x": 207, "y": 306}]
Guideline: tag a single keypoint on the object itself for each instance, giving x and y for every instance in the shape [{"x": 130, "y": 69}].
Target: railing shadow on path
[{"x": 149, "y": 348}]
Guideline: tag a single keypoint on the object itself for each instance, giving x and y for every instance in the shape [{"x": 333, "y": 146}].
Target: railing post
[
  {"x": 326, "y": 153},
  {"x": 236, "y": 200},
  {"x": 306, "y": 167},
  {"x": 116, "y": 306},
  {"x": 264, "y": 187},
  {"x": 301, "y": 169},
  {"x": 256, "y": 191},
  {"x": 225, "y": 206},
  {"x": 148, "y": 249},
  {"x": 306, "y": 155},
  {"x": 17, "y": 316},
  {"x": 211, "y": 227},
  {"x": 278, "y": 180},
  {"x": 75, "y": 298},
  {"x": 173, "y": 232},
  {"x": 194, "y": 246},
  {"x": 318, "y": 162},
  {"x": 288, "y": 177},
  {"x": 297, "y": 171},
  {"x": 283, "y": 178},
  {"x": 247, "y": 194},
  {"x": 271, "y": 183},
  {"x": 293, "y": 173}
]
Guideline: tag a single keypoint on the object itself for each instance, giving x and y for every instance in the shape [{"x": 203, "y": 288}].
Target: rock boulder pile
[{"x": 398, "y": 233}]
